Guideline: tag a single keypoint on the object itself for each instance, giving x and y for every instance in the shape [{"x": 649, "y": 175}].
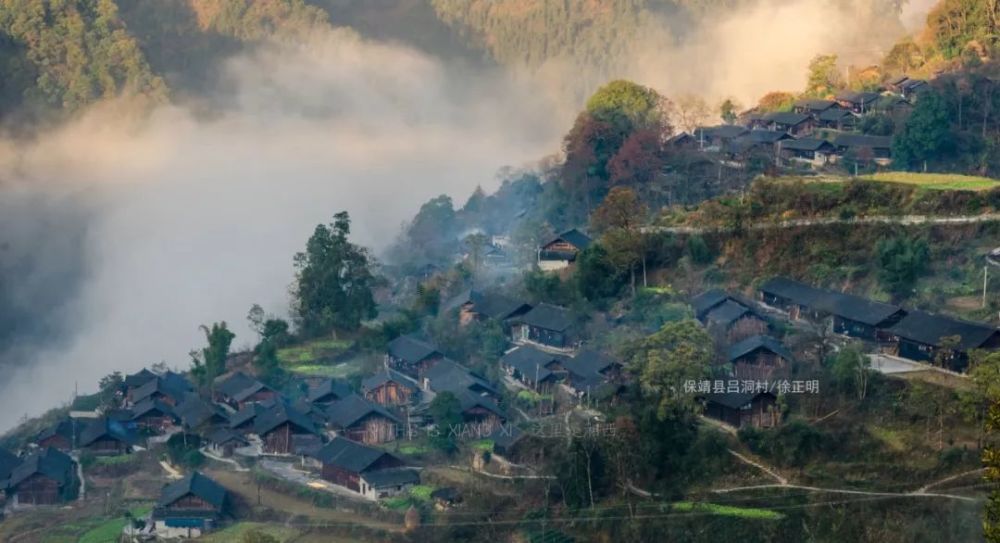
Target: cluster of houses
[
  {"x": 755, "y": 356},
  {"x": 815, "y": 132}
]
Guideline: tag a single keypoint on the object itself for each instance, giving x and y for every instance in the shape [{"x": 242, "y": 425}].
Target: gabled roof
[
  {"x": 382, "y": 478},
  {"x": 170, "y": 384},
  {"x": 722, "y": 131},
  {"x": 248, "y": 413},
  {"x": 574, "y": 237},
  {"x": 816, "y": 105},
  {"x": 751, "y": 344},
  {"x": 807, "y": 144},
  {"x": 548, "y": 317},
  {"x": 766, "y": 136},
  {"x": 928, "y": 328},
  {"x": 726, "y": 313},
  {"x": 354, "y": 408},
  {"x": 411, "y": 349},
  {"x": 734, "y": 400},
  {"x": 49, "y": 462},
  {"x": 857, "y": 97},
  {"x": 8, "y": 461},
  {"x": 221, "y": 436},
  {"x": 835, "y": 114},
  {"x": 452, "y": 376},
  {"x": 148, "y": 406},
  {"x": 862, "y": 140},
  {"x": 139, "y": 378},
  {"x": 469, "y": 400},
  {"x": 786, "y": 117},
  {"x": 797, "y": 292},
  {"x": 64, "y": 428},
  {"x": 492, "y": 305},
  {"x": 350, "y": 455},
  {"x": 858, "y": 309},
  {"x": 707, "y": 300},
  {"x": 195, "y": 411},
  {"x": 589, "y": 361},
  {"x": 105, "y": 428},
  {"x": 329, "y": 387},
  {"x": 278, "y": 414},
  {"x": 530, "y": 361},
  {"x": 384, "y": 376},
  {"x": 238, "y": 384},
  {"x": 194, "y": 484}
]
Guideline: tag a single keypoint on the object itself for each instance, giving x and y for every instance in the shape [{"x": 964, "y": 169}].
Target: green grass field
[
  {"x": 238, "y": 530},
  {"x": 936, "y": 181},
  {"x": 728, "y": 510},
  {"x": 313, "y": 351},
  {"x": 111, "y": 531}
]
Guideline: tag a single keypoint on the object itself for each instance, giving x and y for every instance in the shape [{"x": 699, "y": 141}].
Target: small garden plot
[{"x": 936, "y": 181}]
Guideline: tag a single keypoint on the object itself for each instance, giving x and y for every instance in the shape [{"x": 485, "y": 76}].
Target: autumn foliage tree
[{"x": 619, "y": 219}]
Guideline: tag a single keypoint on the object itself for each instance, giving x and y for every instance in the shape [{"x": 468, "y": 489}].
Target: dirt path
[
  {"x": 914, "y": 494},
  {"x": 939, "y": 482},
  {"x": 822, "y": 221},
  {"x": 781, "y": 480}
]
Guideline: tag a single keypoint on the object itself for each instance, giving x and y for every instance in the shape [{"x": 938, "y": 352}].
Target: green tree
[
  {"x": 901, "y": 261},
  {"x": 333, "y": 283},
  {"x": 679, "y": 352},
  {"x": 852, "y": 370},
  {"x": 824, "y": 79},
  {"x": 619, "y": 219},
  {"x": 446, "y": 412},
  {"x": 110, "y": 390},
  {"x": 926, "y": 134},
  {"x": 268, "y": 365},
  {"x": 210, "y": 362},
  {"x": 729, "y": 111},
  {"x": 627, "y": 106},
  {"x": 597, "y": 277}
]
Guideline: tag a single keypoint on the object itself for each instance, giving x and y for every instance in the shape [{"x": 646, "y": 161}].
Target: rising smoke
[{"x": 123, "y": 233}]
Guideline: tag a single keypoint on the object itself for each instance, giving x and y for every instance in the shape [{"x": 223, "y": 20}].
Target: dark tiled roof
[
  {"x": 8, "y": 461},
  {"x": 862, "y": 140},
  {"x": 816, "y": 105},
  {"x": 470, "y": 400},
  {"x": 787, "y": 117},
  {"x": 733, "y": 400},
  {"x": 385, "y": 376},
  {"x": 840, "y": 304},
  {"x": 64, "y": 428},
  {"x": 49, "y": 462},
  {"x": 528, "y": 360},
  {"x": 139, "y": 378},
  {"x": 707, "y": 300},
  {"x": 170, "y": 384},
  {"x": 411, "y": 349},
  {"x": 221, "y": 436},
  {"x": 806, "y": 144},
  {"x": 726, "y": 313},
  {"x": 279, "y": 413},
  {"x": 248, "y": 413},
  {"x": 493, "y": 305},
  {"x": 799, "y": 293},
  {"x": 105, "y": 428},
  {"x": 329, "y": 388},
  {"x": 350, "y": 455},
  {"x": 196, "y": 411},
  {"x": 352, "y": 409},
  {"x": 382, "y": 478},
  {"x": 766, "y": 136},
  {"x": 548, "y": 317},
  {"x": 722, "y": 131},
  {"x": 150, "y": 406},
  {"x": 194, "y": 484},
  {"x": 751, "y": 344},
  {"x": 239, "y": 386},
  {"x": 590, "y": 361},
  {"x": 835, "y": 114},
  {"x": 574, "y": 237},
  {"x": 451, "y": 376},
  {"x": 928, "y": 328},
  {"x": 857, "y": 97}
]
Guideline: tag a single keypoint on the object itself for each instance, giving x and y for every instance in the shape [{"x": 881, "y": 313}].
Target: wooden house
[
  {"x": 189, "y": 507},
  {"x": 536, "y": 369},
  {"x": 864, "y": 148},
  {"x": 61, "y": 436},
  {"x": 153, "y": 416},
  {"x": 46, "y": 477},
  {"x": 545, "y": 325},
  {"x": 223, "y": 441},
  {"x": 196, "y": 413},
  {"x": 329, "y": 391},
  {"x": 799, "y": 300},
  {"x": 713, "y": 138},
  {"x": 106, "y": 437},
  {"x": 362, "y": 469},
  {"x": 758, "y": 410},
  {"x": 858, "y": 102},
  {"x": 795, "y": 124},
  {"x": 926, "y": 337},
  {"x": 242, "y": 421},
  {"x": 837, "y": 119},
  {"x": 451, "y": 376},
  {"x": 170, "y": 388},
  {"x": 814, "y": 107},
  {"x": 759, "y": 358},
  {"x": 133, "y": 381},
  {"x": 473, "y": 305},
  {"x": 814, "y": 152},
  {"x": 389, "y": 388},
  {"x": 276, "y": 425},
  {"x": 360, "y": 420},
  {"x": 238, "y": 389},
  {"x": 480, "y": 415},
  {"x": 561, "y": 251},
  {"x": 411, "y": 355}
]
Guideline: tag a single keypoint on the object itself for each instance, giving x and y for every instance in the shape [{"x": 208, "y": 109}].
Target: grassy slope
[{"x": 937, "y": 181}]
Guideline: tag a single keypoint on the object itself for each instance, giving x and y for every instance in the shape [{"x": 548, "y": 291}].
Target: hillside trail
[{"x": 822, "y": 221}]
